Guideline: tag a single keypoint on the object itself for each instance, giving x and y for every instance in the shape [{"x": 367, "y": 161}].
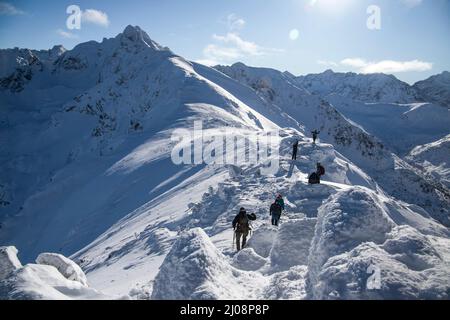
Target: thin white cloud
[
  {"x": 411, "y": 3},
  {"x": 236, "y": 42},
  {"x": 7, "y": 9},
  {"x": 387, "y": 66},
  {"x": 355, "y": 63},
  {"x": 231, "y": 47},
  {"x": 234, "y": 22},
  {"x": 66, "y": 34},
  {"x": 96, "y": 17}
]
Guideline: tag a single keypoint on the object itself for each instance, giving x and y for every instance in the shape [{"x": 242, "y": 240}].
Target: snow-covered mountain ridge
[{"x": 90, "y": 175}]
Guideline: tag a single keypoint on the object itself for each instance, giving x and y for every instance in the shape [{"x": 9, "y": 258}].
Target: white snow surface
[
  {"x": 69, "y": 269},
  {"x": 90, "y": 177},
  {"x": 51, "y": 279},
  {"x": 434, "y": 159},
  {"x": 8, "y": 261}
]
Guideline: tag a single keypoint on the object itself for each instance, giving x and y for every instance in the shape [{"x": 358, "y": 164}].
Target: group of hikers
[
  {"x": 314, "y": 134},
  {"x": 314, "y": 178},
  {"x": 241, "y": 223}
]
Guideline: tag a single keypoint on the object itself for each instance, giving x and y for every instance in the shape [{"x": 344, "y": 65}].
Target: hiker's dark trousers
[
  {"x": 294, "y": 155},
  {"x": 275, "y": 220},
  {"x": 240, "y": 235}
]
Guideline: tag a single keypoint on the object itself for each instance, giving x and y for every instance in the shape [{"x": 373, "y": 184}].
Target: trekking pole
[{"x": 234, "y": 236}]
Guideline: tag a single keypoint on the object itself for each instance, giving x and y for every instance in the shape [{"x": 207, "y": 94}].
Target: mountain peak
[
  {"x": 239, "y": 65},
  {"x": 58, "y": 50},
  {"x": 136, "y": 35},
  {"x": 132, "y": 31}
]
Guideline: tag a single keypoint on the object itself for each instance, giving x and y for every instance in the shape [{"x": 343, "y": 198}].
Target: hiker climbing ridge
[
  {"x": 295, "y": 150},
  {"x": 315, "y": 135},
  {"x": 241, "y": 227}
]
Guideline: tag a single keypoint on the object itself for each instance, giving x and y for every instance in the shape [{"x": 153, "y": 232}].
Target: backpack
[
  {"x": 280, "y": 202},
  {"x": 321, "y": 170},
  {"x": 242, "y": 224}
]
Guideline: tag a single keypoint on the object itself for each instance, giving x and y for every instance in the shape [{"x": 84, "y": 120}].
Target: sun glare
[{"x": 330, "y": 6}]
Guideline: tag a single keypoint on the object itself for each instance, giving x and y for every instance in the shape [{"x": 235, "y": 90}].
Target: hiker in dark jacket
[
  {"x": 314, "y": 178},
  {"x": 241, "y": 227},
  {"x": 275, "y": 212},
  {"x": 315, "y": 133},
  {"x": 295, "y": 150}
]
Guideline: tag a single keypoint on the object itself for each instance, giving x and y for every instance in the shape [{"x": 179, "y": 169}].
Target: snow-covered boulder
[
  {"x": 43, "y": 282},
  {"x": 8, "y": 261},
  {"x": 346, "y": 220},
  {"x": 55, "y": 277},
  {"x": 195, "y": 270},
  {"x": 287, "y": 285},
  {"x": 69, "y": 269},
  {"x": 405, "y": 267},
  {"x": 359, "y": 252},
  {"x": 262, "y": 240},
  {"x": 248, "y": 260},
  {"x": 291, "y": 246}
]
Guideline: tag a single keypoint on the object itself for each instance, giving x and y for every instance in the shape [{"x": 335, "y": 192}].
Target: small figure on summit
[
  {"x": 241, "y": 227},
  {"x": 295, "y": 150},
  {"x": 315, "y": 134}
]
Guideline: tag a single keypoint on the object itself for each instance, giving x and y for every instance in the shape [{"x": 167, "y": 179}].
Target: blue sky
[{"x": 301, "y": 36}]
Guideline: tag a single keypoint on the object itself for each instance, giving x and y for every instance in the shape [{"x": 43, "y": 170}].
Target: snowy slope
[
  {"x": 400, "y": 115},
  {"x": 436, "y": 89},
  {"x": 80, "y": 166},
  {"x": 401, "y": 127},
  {"x": 370, "y": 88},
  {"x": 91, "y": 177},
  {"x": 358, "y": 234},
  {"x": 387, "y": 169},
  {"x": 434, "y": 159},
  {"x": 129, "y": 254},
  {"x": 412, "y": 254}
]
